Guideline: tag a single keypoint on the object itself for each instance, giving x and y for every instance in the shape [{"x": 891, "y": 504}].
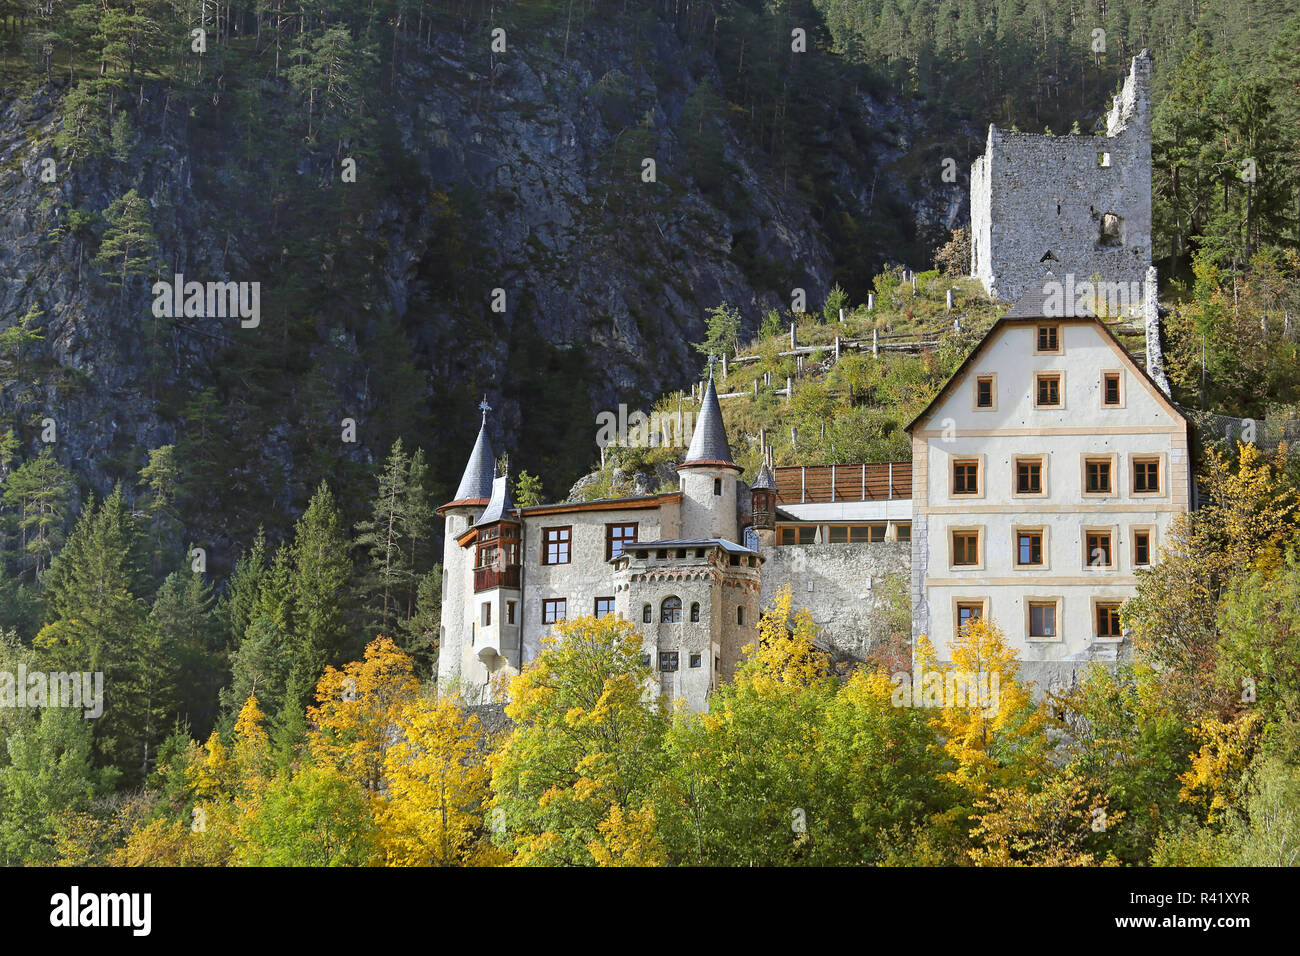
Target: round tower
[
  {"x": 763, "y": 498},
  {"x": 472, "y": 496},
  {"x": 708, "y": 475}
]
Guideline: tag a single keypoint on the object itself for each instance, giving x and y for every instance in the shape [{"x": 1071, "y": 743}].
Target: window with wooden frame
[
  {"x": 487, "y": 614},
  {"x": 966, "y": 476},
  {"x": 1112, "y": 389},
  {"x": 967, "y": 611},
  {"x": 1048, "y": 390},
  {"x": 604, "y": 606},
  {"x": 986, "y": 394},
  {"x": 1029, "y": 476},
  {"x": 1029, "y": 547},
  {"x": 1108, "y": 624},
  {"x": 799, "y": 534},
  {"x": 555, "y": 545},
  {"x": 903, "y": 531},
  {"x": 554, "y": 609},
  {"x": 697, "y": 660},
  {"x": 670, "y": 611},
  {"x": 966, "y": 548},
  {"x": 1098, "y": 548},
  {"x": 668, "y": 660},
  {"x": 1042, "y": 618},
  {"x": 510, "y": 612},
  {"x": 1146, "y": 476},
  {"x": 1142, "y": 547},
  {"x": 647, "y": 614},
  {"x": 1098, "y": 476},
  {"x": 618, "y": 537},
  {"x": 1047, "y": 340}
]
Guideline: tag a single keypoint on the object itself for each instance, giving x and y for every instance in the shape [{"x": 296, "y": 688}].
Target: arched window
[
  {"x": 670, "y": 612},
  {"x": 647, "y": 614},
  {"x": 695, "y": 612}
]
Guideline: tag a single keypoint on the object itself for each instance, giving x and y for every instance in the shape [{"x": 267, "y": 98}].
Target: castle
[
  {"x": 1044, "y": 475},
  {"x": 1077, "y": 205}
]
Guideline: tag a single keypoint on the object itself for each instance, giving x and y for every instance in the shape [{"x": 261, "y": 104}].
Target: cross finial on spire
[{"x": 485, "y": 407}]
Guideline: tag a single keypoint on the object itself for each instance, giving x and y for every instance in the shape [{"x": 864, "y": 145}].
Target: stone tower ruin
[{"x": 1072, "y": 204}]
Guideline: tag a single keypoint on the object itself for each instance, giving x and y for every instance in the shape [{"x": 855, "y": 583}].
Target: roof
[
  {"x": 709, "y": 444},
  {"x": 500, "y": 506},
  {"x": 1033, "y": 302},
  {"x": 764, "y": 481},
  {"x": 729, "y": 546},
  {"x": 476, "y": 482},
  {"x": 603, "y": 504}
]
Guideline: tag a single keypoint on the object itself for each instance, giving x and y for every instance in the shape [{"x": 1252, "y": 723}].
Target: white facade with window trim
[{"x": 1035, "y": 504}]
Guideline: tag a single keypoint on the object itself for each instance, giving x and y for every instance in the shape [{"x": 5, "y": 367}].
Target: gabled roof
[
  {"x": 1030, "y": 308},
  {"x": 709, "y": 444}
]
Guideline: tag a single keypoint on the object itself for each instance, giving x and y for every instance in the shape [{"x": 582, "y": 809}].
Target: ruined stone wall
[
  {"x": 1085, "y": 199},
  {"x": 850, "y": 587}
]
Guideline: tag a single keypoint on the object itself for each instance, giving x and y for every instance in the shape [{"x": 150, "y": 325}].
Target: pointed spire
[
  {"x": 476, "y": 483},
  {"x": 709, "y": 441},
  {"x": 764, "y": 481}
]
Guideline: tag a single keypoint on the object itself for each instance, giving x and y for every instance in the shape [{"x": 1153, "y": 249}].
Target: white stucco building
[{"x": 1045, "y": 473}]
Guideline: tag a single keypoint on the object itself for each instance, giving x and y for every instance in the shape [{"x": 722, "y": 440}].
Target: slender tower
[
  {"x": 708, "y": 475},
  {"x": 459, "y": 515}
]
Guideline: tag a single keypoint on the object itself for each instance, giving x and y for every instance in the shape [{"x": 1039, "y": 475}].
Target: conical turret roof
[
  {"x": 764, "y": 480},
  {"x": 500, "y": 506},
  {"x": 709, "y": 441},
  {"x": 476, "y": 483}
]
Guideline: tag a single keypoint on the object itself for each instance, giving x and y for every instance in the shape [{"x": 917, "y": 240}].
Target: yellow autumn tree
[
  {"x": 351, "y": 724},
  {"x": 437, "y": 786},
  {"x": 785, "y": 652},
  {"x": 1059, "y": 823},
  {"x": 1214, "y": 780},
  {"x": 252, "y": 748},
  {"x": 211, "y": 773},
  {"x": 990, "y": 726}
]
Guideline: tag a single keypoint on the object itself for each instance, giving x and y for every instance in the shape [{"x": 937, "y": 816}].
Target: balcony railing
[{"x": 485, "y": 579}]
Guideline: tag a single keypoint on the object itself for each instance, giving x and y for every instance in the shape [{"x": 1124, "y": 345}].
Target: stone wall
[
  {"x": 850, "y": 588},
  {"x": 1085, "y": 199}
]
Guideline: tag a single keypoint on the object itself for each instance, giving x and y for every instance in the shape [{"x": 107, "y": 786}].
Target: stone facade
[{"x": 1076, "y": 204}]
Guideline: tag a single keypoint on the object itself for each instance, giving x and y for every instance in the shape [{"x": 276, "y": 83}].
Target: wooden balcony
[{"x": 485, "y": 579}]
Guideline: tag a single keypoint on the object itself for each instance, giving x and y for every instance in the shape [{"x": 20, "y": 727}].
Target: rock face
[{"x": 514, "y": 241}]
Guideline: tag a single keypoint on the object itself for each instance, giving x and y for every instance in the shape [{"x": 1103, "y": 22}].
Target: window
[
  {"x": 555, "y": 545},
  {"x": 1103, "y": 160},
  {"x": 1097, "y": 476},
  {"x": 1029, "y": 476},
  {"x": 670, "y": 612},
  {"x": 1042, "y": 619},
  {"x": 965, "y": 548},
  {"x": 604, "y": 606},
  {"x": 1048, "y": 386},
  {"x": 647, "y": 615},
  {"x": 985, "y": 392},
  {"x": 1146, "y": 476},
  {"x": 510, "y": 612},
  {"x": 1141, "y": 548},
  {"x": 740, "y": 616},
  {"x": 965, "y": 477},
  {"x": 1108, "y": 619},
  {"x": 799, "y": 534},
  {"x": 645, "y": 660},
  {"x": 1112, "y": 230},
  {"x": 903, "y": 531},
  {"x": 855, "y": 533},
  {"x": 1097, "y": 550},
  {"x": 717, "y": 486},
  {"x": 668, "y": 661},
  {"x": 487, "y": 614},
  {"x": 968, "y": 611},
  {"x": 697, "y": 660},
  {"x": 695, "y": 612},
  {"x": 1029, "y": 548},
  {"x": 1049, "y": 338},
  {"x": 617, "y": 539},
  {"x": 554, "y": 609},
  {"x": 1112, "y": 390}
]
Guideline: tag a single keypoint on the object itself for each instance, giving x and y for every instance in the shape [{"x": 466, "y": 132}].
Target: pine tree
[
  {"x": 381, "y": 538},
  {"x": 39, "y": 492},
  {"x": 129, "y": 246}
]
